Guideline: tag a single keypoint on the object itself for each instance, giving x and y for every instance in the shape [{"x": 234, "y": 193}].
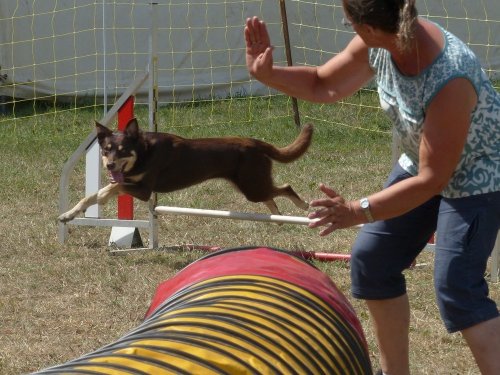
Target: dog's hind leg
[
  {"x": 271, "y": 204},
  {"x": 101, "y": 197},
  {"x": 287, "y": 191}
]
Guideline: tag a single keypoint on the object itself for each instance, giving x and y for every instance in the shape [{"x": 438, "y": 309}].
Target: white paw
[{"x": 67, "y": 216}]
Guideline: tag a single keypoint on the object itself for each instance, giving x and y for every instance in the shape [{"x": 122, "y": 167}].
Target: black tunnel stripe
[
  {"x": 264, "y": 333},
  {"x": 167, "y": 366},
  {"x": 208, "y": 328},
  {"x": 211, "y": 327},
  {"x": 182, "y": 313},
  {"x": 181, "y": 295},
  {"x": 188, "y": 293},
  {"x": 333, "y": 316},
  {"x": 357, "y": 344},
  {"x": 269, "y": 317},
  {"x": 191, "y": 337},
  {"x": 270, "y": 285},
  {"x": 82, "y": 362},
  {"x": 234, "y": 283},
  {"x": 293, "y": 337},
  {"x": 334, "y": 319},
  {"x": 320, "y": 313},
  {"x": 335, "y": 344},
  {"x": 213, "y": 320},
  {"x": 188, "y": 357},
  {"x": 187, "y": 337},
  {"x": 312, "y": 337},
  {"x": 196, "y": 340},
  {"x": 72, "y": 371},
  {"x": 298, "y": 306},
  {"x": 85, "y": 361}
]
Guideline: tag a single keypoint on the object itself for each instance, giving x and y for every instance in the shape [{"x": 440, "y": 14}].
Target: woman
[{"x": 447, "y": 116}]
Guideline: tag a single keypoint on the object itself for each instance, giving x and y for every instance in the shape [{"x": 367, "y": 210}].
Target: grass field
[{"x": 60, "y": 301}]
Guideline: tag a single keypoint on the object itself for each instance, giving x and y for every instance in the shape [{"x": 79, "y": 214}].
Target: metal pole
[
  {"x": 153, "y": 112},
  {"x": 104, "y": 52},
  {"x": 153, "y": 70},
  {"x": 284, "y": 23},
  {"x": 93, "y": 158}
]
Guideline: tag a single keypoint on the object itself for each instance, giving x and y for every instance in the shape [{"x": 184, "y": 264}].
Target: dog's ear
[
  {"x": 102, "y": 132},
  {"x": 132, "y": 129}
]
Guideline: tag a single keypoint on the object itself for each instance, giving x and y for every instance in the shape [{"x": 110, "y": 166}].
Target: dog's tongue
[{"x": 117, "y": 177}]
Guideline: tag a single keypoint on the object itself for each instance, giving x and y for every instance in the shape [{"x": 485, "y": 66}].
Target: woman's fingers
[
  {"x": 322, "y": 202},
  {"x": 256, "y": 34},
  {"x": 332, "y": 211},
  {"x": 250, "y": 37},
  {"x": 263, "y": 34},
  {"x": 325, "y": 210},
  {"x": 328, "y": 191}
]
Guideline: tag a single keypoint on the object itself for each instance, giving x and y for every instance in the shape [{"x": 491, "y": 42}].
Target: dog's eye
[{"x": 107, "y": 149}]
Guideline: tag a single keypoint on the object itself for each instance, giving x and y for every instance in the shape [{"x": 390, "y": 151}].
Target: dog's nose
[{"x": 111, "y": 165}]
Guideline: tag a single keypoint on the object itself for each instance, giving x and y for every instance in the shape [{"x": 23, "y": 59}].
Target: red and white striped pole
[{"x": 125, "y": 201}]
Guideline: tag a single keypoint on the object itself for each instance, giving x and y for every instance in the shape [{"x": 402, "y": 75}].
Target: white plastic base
[{"x": 125, "y": 238}]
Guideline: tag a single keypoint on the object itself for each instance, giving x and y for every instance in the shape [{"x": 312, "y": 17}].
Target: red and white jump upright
[
  {"x": 125, "y": 237},
  {"x": 123, "y": 110}
]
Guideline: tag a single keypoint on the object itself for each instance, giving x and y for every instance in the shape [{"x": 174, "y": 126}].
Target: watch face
[{"x": 364, "y": 203}]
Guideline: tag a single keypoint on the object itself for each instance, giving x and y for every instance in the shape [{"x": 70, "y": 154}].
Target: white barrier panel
[{"x": 234, "y": 215}]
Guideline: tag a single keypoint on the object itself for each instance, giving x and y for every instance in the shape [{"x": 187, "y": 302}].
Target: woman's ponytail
[{"x": 407, "y": 20}]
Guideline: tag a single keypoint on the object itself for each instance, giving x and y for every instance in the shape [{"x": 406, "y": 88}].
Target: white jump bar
[{"x": 234, "y": 215}]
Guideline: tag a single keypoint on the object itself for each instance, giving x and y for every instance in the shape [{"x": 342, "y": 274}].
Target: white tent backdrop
[{"x": 77, "y": 49}]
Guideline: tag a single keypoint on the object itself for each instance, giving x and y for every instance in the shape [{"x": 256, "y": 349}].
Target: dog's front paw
[{"x": 67, "y": 216}]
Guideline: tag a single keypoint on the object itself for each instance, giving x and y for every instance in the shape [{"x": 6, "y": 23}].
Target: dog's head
[{"x": 119, "y": 149}]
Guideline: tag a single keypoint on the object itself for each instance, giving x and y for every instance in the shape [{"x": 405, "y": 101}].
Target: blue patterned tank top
[{"x": 405, "y": 99}]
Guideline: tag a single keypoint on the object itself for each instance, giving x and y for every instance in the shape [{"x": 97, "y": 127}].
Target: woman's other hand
[{"x": 334, "y": 212}]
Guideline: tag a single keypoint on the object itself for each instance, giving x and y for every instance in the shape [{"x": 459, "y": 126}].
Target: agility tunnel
[{"x": 239, "y": 311}]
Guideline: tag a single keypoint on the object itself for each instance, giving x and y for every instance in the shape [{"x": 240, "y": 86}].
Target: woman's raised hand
[{"x": 259, "y": 56}]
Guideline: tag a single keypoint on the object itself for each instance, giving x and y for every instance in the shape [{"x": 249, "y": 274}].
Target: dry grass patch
[{"x": 60, "y": 301}]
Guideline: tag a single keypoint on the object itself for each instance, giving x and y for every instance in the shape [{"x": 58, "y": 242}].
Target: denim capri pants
[{"x": 466, "y": 230}]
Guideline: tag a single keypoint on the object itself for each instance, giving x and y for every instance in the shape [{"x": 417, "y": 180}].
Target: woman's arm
[
  {"x": 444, "y": 135},
  {"x": 338, "y": 78}
]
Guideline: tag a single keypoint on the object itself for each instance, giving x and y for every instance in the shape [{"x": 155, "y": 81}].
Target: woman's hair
[{"x": 392, "y": 16}]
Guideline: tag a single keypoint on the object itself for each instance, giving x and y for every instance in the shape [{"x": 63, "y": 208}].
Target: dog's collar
[{"x": 120, "y": 178}]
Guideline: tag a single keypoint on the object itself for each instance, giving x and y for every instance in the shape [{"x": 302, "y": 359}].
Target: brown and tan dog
[{"x": 144, "y": 162}]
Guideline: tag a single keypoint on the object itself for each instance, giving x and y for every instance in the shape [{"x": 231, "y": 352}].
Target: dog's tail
[{"x": 294, "y": 150}]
